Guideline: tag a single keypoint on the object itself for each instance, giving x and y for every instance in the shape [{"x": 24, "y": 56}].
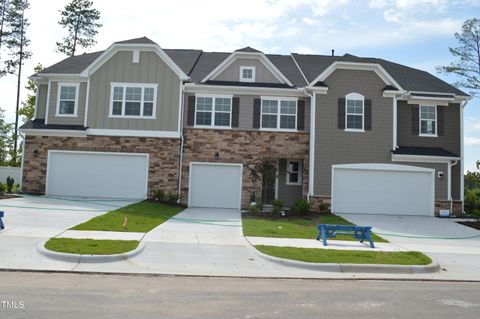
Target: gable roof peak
[
  {"x": 248, "y": 49},
  {"x": 142, "y": 40}
]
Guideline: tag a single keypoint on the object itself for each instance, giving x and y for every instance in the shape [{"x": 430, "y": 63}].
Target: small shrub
[
  {"x": 3, "y": 188},
  {"x": 10, "y": 183},
  {"x": 173, "y": 197},
  {"x": 160, "y": 195},
  {"x": 277, "y": 206},
  {"x": 300, "y": 207},
  {"x": 323, "y": 207},
  {"x": 256, "y": 208}
]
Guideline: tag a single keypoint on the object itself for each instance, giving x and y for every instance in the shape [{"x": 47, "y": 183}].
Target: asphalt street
[{"x": 62, "y": 295}]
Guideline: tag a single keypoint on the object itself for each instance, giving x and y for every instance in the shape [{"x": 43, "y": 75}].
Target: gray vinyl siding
[
  {"x": 245, "y": 118},
  {"x": 336, "y": 146},
  {"x": 232, "y": 72},
  {"x": 52, "y": 109},
  {"x": 288, "y": 193},
  {"x": 441, "y": 185},
  {"x": 42, "y": 100},
  {"x": 449, "y": 141},
  {"x": 150, "y": 69}
]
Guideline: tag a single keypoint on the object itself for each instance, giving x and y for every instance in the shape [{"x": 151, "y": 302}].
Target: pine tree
[
  {"x": 80, "y": 19},
  {"x": 28, "y": 107},
  {"x": 4, "y": 9},
  {"x": 467, "y": 67},
  {"x": 17, "y": 44}
]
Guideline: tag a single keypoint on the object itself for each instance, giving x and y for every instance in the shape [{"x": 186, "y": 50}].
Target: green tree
[
  {"x": 6, "y": 140},
  {"x": 80, "y": 19},
  {"x": 17, "y": 43},
  {"x": 467, "y": 53},
  {"x": 28, "y": 107},
  {"x": 472, "y": 193}
]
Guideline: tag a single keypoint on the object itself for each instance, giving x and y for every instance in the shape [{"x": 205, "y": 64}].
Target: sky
[{"x": 416, "y": 33}]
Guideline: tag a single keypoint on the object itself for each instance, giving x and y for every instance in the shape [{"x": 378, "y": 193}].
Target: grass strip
[
  {"x": 295, "y": 227},
  {"x": 90, "y": 246},
  {"x": 142, "y": 217},
  {"x": 318, "y": 255}
]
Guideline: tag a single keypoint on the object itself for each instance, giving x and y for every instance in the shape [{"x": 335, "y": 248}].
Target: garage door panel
[
  {"x": 215, "y": 185},
  {"x": 392, "y": 190},
  {"x": 95, "y": 174}
]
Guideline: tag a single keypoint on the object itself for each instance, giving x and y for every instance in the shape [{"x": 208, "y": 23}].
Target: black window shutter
[
  {"x": 341, "y": 113},
  {"x": 301, "y": 115},
  {"x": 191, "y": 110},
  {"x": 415, "y": 117},
  {"x": 440, "y": 120},
  {"x": 256, "y": 113},
  {"x": 235, "y": 111},
  {"x": 367, "y": 125}
]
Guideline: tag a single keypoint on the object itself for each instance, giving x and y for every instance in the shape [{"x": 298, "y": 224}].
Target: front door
[{"x": 268, "y": 190}]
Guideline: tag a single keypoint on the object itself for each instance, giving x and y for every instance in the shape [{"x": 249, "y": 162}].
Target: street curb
[
  {"x": 353, "y": 268},
  {"x": 78, "y": 258}
]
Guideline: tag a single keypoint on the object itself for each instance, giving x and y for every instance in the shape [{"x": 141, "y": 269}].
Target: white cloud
[
  {"x": 303, "y": 50},
  {"x": 470, "y": 140},
  {"x": 309, "y": 21}
]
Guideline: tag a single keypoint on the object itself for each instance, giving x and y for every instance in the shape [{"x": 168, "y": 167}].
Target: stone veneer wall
[
  {"x": 245, "y": 147},
  {"x": 163, "y": 159}
]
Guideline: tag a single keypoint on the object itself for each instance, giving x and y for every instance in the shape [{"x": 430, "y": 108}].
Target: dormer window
[{"x": 247, "y": 74}]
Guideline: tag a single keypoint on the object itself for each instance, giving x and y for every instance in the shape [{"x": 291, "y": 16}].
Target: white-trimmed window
[
  {"x": 133, "y": 100},
  {"x": 213, "y": 111},
  {"x": 294, "y": 169},
  {"x": 279, "y": 113},
  {"x": 354, "y": 112},
  {"x": 67, "y": 99},
  {"x": 247, "y": 74},
  {"x": 428, "y": 120}
]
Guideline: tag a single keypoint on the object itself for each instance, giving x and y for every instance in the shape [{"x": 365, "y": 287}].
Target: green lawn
[
  {"x": 317, "y": 255},
  {"x": 142, "y": 217},
  {"x": 295, "y": 227},
  {"x": 91, "y": 246}
]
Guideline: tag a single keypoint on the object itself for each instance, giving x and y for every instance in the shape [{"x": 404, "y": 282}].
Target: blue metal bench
[
  {"x": 2, "y": 226},
  {"x": 361, "y": 233}
]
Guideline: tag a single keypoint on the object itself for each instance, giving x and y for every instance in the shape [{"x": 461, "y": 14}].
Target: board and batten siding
[
  {"x": 52, "y": 108},
  {"x": 450, "y": 140},
  {"x": 337, "y": 146},
  {"x": 150, "y": 69},
  {"x": 245, "y": 116},
  {"x": 232, "y": 72},
  {"x": 42, "y": 100}
]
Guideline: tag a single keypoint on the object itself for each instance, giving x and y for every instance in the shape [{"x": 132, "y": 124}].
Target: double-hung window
[
  {"x": 133, "y": 100},
  {"x": 354, "y": 112},
  {"x": 213, "y": 111},
  {"x": 428, "y": 120},
  {"x": 293, "y": 173},
  {"x": 67, "y": 101},
  {"x": 279, "y": 113}
]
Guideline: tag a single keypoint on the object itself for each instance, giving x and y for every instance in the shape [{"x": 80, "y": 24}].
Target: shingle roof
[
  {"x": 142, "y": 40},
  {"x": 198, "y": 64},
  {"x": 40, "y": 124},
  {"x": 423, "y": 151},
  {"x": 248, "y": 49},
  {"x": 185, "y": 59},
  {"x": 72, "y": 65}
]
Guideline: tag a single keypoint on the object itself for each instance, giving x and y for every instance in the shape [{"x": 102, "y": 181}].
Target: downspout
[
  {"x": 449, "y": 185},
  {"x": 394, "y": 144},
  {"x": 311, "y": 155},
  {"x": 181, "y": 141}
]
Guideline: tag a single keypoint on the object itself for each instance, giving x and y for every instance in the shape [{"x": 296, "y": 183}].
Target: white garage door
[
  {"x": 97, "y": 174},
  {"x": 383, "y": 189},
  {"x": 215, "y": 185}
]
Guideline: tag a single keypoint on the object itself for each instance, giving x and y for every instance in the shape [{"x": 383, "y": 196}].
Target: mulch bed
[
  {"x": 471, "y": 224},
  {"x": 309, "y": 215},
  {"x": 8, "y": 196}
]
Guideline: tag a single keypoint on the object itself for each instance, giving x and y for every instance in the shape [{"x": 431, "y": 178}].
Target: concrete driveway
[
  {"x": 455, "y": 247},
  {"x": 28, "y": 220}
]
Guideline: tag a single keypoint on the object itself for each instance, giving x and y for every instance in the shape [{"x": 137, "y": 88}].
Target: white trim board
[{"x": 248, "y": 55}]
